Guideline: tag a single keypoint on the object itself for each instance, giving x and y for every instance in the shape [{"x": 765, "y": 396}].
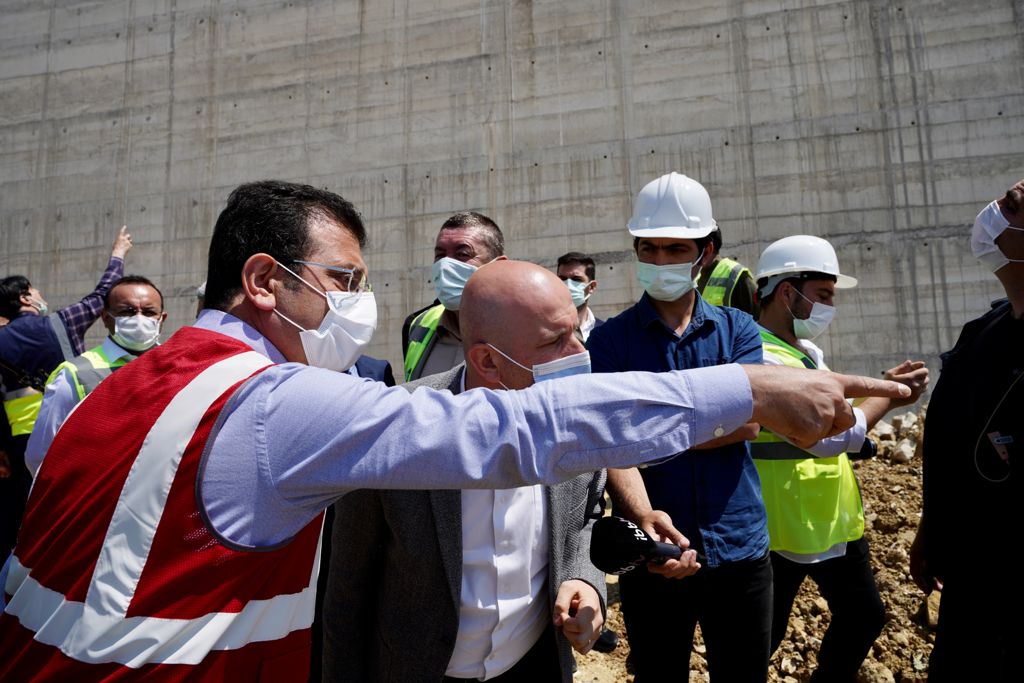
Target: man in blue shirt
[{"x": 711, "y": 493}]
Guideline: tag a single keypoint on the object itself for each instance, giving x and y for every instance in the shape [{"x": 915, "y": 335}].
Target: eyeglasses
[{"x": 354, "y": 283}]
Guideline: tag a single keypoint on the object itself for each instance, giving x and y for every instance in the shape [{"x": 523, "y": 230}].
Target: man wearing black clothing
[{"x": 973, "y": 434}]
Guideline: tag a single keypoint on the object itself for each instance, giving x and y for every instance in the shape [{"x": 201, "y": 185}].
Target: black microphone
[{"x": 618, "y": 546}]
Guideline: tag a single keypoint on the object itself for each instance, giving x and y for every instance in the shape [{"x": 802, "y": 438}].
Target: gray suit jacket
[{"x": 391, "y": 610}]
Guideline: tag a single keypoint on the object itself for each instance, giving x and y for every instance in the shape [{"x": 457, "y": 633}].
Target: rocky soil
[{"x": 891, "y": 489}]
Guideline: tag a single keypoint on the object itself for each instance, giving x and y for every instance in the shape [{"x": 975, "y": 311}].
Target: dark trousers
[
  {"x": 13, "y": 494},
  {"x": 858, "y": 615},
  {"x": 539, "y": 664},
  {"x": 733, "y": 604},
  {"x": 980, "y": 632}
]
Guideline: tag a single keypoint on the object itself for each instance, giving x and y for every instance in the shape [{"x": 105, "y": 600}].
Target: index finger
[{"x": 855, "y": 386}]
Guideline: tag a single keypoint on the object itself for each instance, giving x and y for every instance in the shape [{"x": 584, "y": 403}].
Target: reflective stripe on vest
[
  {"x": 720, "y": 285},
  {"x": 89, "y": 369},
  {"x": 812, "y": 503},
  {"x": 104, "y": 586},
  {"x": 421, "y": 333}
]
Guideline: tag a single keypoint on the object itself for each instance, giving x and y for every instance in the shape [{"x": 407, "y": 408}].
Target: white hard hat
[
  {"x": 672, "y": 206},
  {"x": 799, "y": 254}
]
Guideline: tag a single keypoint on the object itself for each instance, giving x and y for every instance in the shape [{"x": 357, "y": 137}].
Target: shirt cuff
[
  {"x": 722, "y": 398},
  {"x": 858, "y": 432}
]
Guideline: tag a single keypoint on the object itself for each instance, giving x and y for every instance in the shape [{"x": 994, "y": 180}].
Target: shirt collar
[
  {"x": 114, "y": 352},
  {"x": 227, "y": 324},
  {"x": 702, "y": 313},
  {"x": 588, "y": 322}
]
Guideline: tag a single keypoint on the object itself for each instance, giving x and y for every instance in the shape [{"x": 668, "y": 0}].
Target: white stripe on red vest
[{"x": 154, "y": 530}]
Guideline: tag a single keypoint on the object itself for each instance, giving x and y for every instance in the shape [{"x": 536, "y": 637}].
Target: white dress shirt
[
  {"x": 504, "y": 606},
  {"x": 587, "y": 324}
]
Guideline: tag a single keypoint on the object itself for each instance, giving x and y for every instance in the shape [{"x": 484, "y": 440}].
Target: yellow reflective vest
[
  {"x": 22, "y": 409},
  {"x": 720, "y": 285},
  {"x": 89, "y": 369},
  {"x": 812, "y": 503},
  {"x": 422, "y": 332}
]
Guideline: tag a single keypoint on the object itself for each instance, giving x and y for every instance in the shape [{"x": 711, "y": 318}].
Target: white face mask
[
  {"x": 666, "y": 283},
  {"x": 576, "y": 364},
  {"x": 450, "y": 277},
  {"x": 136, "y": 332},
  {"x": 989, "y": 225},
  {"x": 578, "y": 291},
  {"x": 346, "y": 329},
  {"x": 816, "y": 323}
]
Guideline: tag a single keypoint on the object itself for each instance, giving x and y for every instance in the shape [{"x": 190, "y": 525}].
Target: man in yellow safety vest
[
  {"x": 133, "y": 313},
  {"x": 815, "y": 515},
  {"x": 430, "y": 336},
  {"x": 725, "y": 282}
]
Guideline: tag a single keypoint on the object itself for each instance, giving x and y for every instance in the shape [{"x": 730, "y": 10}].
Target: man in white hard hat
[
  {"x": 710, "y": 493},
  {"x": 815, "y": 515},
  {"x": 972, "y": 436}
]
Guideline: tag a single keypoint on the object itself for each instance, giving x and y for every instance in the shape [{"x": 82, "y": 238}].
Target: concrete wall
[{"x": 883, "y": 126}]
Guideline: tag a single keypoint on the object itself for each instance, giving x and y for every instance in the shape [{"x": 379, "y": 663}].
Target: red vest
[{"x": 116, "y": 574}]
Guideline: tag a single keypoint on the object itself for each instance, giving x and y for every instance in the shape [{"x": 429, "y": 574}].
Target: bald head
[
  {"x": 502, "y": 296},
  {"x": 523, "y": 310}
]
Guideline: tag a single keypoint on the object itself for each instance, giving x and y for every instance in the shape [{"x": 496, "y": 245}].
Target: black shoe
[{"x": 607, "y": 641}]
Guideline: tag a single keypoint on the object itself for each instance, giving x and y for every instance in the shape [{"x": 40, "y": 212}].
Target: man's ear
[
  {"x": 258, "y": 282},
  {"x": 481, "y": 357},
  {"x": 163, "y": 317},
  {"x": 591, "y": 286},
  {"x": 784, "y": 294},
  {"x": 108, "y": 320}
]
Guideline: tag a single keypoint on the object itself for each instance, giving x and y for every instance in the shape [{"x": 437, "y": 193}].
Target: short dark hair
[
  {"x": 12, "y": 288},
  {"x": 797, "y": 281},
  {"x": 701, "y": 242},
  {"x": 270, "y": 217},
  {"x": 132, "y": 280},
  {"x": 716, "y": 239},
  {"x": 576, "y": 258},
  {"x": 493, "y": 239}
]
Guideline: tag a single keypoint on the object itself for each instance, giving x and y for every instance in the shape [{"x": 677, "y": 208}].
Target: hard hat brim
[
  {"x": 672, "y": 232},
  {"x": 842, "y": 281}
]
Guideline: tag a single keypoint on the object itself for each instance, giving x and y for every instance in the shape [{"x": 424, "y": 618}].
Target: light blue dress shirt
[{"x": 294, "y": 439}]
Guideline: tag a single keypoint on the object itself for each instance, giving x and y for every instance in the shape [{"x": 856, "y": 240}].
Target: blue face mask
[
  {"x": 450, "y": 277},
  {"x": 578, "y": 291},
  {"x": 576, "y": 364}
]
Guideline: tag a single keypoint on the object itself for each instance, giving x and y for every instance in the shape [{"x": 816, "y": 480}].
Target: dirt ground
[{"x": 891, "y": 490}]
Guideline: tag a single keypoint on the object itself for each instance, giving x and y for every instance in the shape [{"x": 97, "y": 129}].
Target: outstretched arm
[{"x": 78, "y": 317}]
